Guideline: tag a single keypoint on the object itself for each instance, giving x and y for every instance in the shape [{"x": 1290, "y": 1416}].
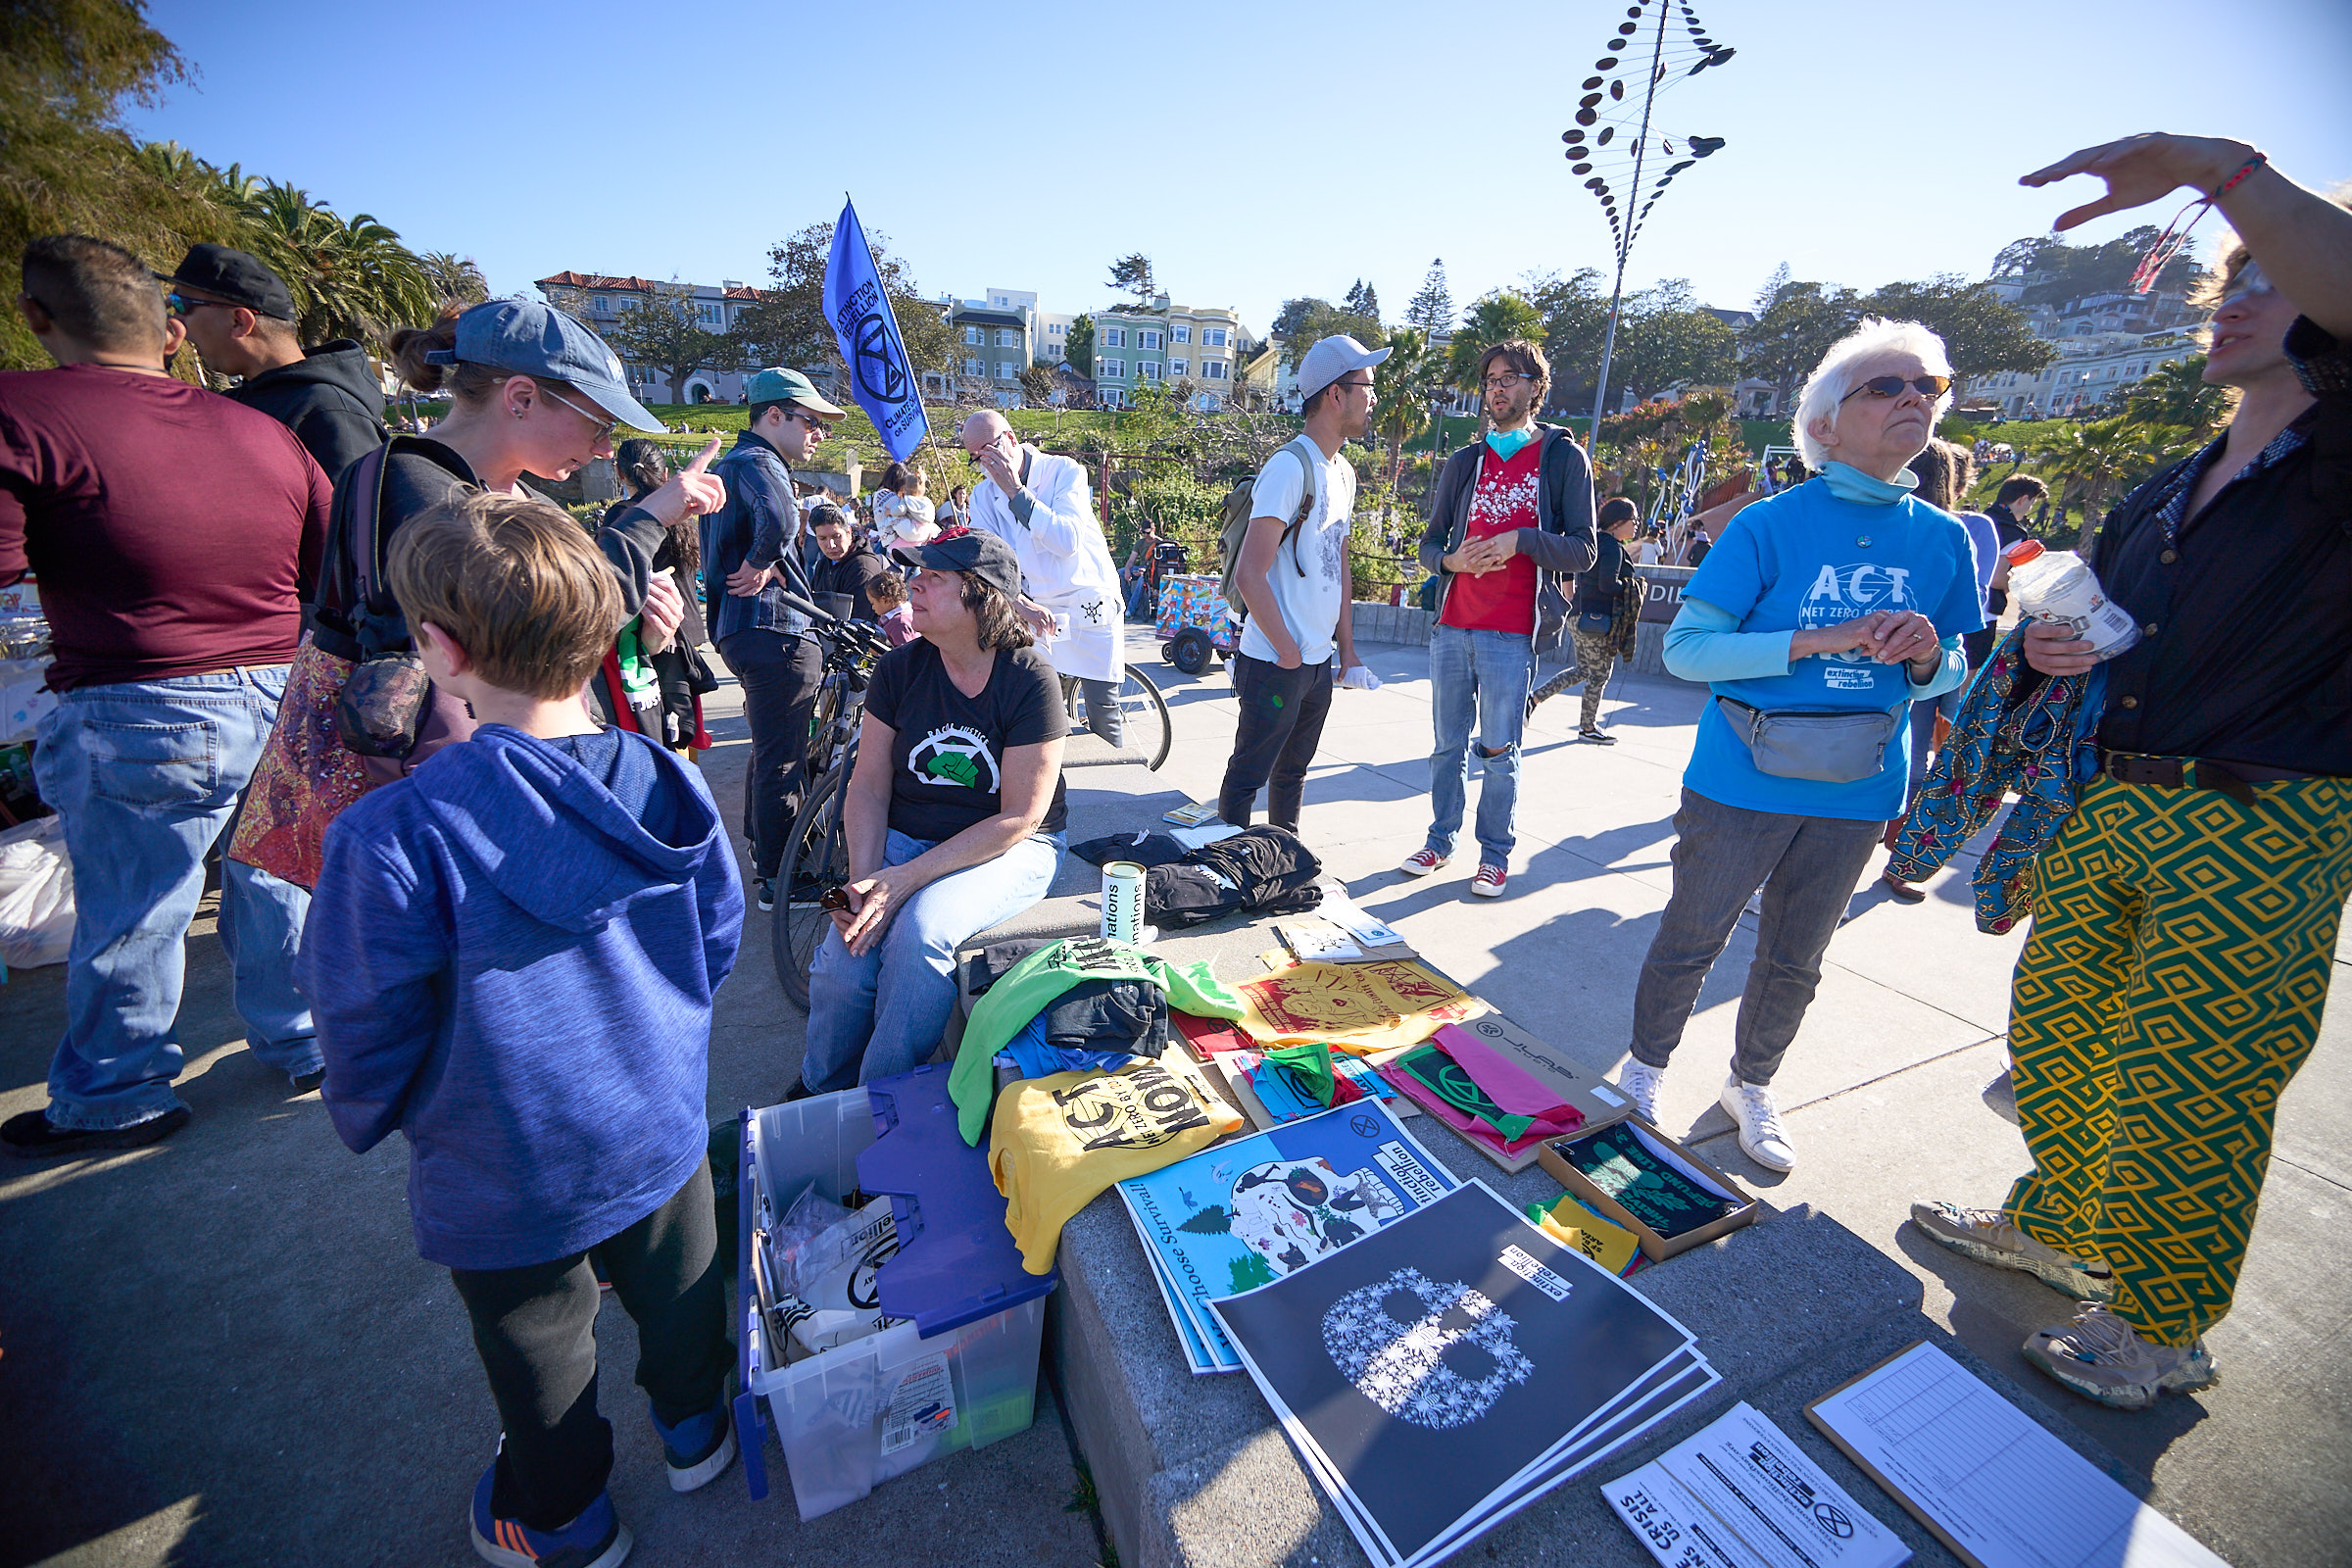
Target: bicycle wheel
[
  {"x": 816, "y": 856},
  {"x": 1144, "y": 713}
]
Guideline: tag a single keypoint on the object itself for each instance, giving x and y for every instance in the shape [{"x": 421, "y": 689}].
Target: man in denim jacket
[{"x": 752, "y": 551}]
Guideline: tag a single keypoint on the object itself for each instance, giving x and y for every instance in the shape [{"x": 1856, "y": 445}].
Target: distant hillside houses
[
  {"x": 599, "y": 299},
  {"x": 2104, "y": 341}
]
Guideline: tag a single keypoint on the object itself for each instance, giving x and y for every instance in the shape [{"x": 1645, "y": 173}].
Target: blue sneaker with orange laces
[{"x": 597, "y": 1539}]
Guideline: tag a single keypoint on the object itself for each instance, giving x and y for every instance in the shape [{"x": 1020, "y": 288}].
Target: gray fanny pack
[{"x": 1828, "y": 748}]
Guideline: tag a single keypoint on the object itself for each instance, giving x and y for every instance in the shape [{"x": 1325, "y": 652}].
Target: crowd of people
[{"x": 476, "y": 890}]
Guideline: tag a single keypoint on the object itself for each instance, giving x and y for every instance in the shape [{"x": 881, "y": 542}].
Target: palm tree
[
  {"x": 1400, "y": 387},
  {"x": 1498, "y": 317},
  {"x": 2088, "y": 461},
  {"x": 455, "y": 277},
  {"x": 351, "y": 279},
  {"x": 2176, "y": 394}
]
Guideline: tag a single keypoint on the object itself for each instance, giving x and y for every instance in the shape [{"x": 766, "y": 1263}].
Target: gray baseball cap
[
  {"x": 527, "y": 338},
  {"x": 1331, "y": 357}
]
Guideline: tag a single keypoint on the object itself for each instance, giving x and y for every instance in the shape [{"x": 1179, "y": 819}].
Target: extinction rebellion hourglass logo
[{"x": 1435, "y": 1355}]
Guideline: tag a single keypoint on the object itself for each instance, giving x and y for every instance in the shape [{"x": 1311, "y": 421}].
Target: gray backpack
[{"x": 1238, "y": 512}]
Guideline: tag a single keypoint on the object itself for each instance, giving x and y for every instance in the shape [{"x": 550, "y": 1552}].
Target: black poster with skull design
[{"x": 1435, "y": 1359}]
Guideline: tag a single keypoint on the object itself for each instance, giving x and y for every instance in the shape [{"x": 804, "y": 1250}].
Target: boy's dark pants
[
  {"x": 1282, "y": 724},
  {"x": 535, "y": 1328}
]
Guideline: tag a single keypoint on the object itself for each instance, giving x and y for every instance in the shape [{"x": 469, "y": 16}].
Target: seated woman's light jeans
[{"x": 874, "y": 1016}]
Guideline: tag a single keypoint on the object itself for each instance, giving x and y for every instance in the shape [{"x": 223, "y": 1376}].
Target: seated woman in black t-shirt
[{"x": 954, "y": 813}]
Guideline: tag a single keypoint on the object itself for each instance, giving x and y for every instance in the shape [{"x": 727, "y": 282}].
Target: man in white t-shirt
[{"x": 1295, "y": 580}]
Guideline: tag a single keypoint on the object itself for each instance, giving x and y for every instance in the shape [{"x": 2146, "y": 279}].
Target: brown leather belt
[{"x": 2235, "y": 780}]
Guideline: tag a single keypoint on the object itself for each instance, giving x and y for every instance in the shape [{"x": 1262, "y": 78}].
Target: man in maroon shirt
[
  {"x": 1513, "y": 518},
  {"x": 171, "y": 532}
]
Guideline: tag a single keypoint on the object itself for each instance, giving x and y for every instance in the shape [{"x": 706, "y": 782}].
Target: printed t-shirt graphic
[
  {"x": 1058, "y": 1141},
  {"x": 1356, "y": 1008},
  {"x": 946, "y": 749},
  {"x": 957, "y": 754},
  {"x": 1503, "y": 502},
  {"x": 1806, "y": 560}
]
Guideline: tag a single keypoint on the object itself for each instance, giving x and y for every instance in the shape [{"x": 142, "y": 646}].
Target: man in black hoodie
[{"x": 240, "y": 316}]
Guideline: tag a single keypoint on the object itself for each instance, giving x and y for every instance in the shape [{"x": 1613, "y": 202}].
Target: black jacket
[
  {"x": 330, "y": 401},
  {"x": 848, "y": 575},
  {"x": 1560, "y": 544}
]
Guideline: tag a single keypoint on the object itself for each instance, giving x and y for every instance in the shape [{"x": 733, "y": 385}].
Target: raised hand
[
  {"x": 691, "y": 492},
  {"x": 2143, "y": 169}
]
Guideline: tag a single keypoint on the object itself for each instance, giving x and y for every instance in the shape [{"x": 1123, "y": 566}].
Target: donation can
[{"x": 1122, "y": 901}]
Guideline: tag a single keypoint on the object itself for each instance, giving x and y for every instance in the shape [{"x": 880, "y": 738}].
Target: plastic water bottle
[{"x": 2054, "y": 585}]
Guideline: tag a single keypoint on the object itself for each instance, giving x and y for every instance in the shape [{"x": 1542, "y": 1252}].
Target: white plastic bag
[{"x": 36, "y": 895}]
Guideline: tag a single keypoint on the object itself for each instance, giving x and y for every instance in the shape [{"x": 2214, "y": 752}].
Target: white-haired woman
[{"x": 1817, "y": 619}]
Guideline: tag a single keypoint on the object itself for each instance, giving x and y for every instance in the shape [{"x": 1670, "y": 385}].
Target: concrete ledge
[
  {"x": 1407, "y": 625},
  {"x": 1194, "y": 1473}
]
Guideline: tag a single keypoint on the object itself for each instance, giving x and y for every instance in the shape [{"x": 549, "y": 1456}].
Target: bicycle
[
  {"x": 1146, "y": 733},
  {"x": 816, "y": 851}
]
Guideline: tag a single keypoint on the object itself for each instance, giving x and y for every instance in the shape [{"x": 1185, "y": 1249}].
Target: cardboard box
[
  {"x": 1658, "y": 1248},
  {"x": 1575, "y": 1083}
]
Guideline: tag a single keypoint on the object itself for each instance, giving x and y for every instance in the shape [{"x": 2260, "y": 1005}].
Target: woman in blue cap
[{"x": 532, "y": 391}]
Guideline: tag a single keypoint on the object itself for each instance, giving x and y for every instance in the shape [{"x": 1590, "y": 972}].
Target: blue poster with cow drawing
[{"x": 1254, "y": 1209}]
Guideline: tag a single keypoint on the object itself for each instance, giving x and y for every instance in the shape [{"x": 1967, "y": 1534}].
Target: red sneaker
[
  {"x": 1488, "y": 884},
  {"x": 1422, "y": 861}
]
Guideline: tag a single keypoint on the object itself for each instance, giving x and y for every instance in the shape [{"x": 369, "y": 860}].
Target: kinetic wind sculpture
[{"x": 1610, "y": 141}]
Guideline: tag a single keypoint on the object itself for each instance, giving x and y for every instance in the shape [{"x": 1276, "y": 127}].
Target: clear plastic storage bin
[{"x": 963, "y": 1371}]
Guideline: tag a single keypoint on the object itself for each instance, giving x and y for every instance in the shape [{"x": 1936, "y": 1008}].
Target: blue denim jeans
[
  {"x": 1486, "y": 675},
  {"x": 874, "y": 1016},
  {"x": 146, "y": 776}
]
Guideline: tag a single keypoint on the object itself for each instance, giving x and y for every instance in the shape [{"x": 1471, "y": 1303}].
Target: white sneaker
[
  {"x": 1638, "y": 1082},
  {"x": 1763, "y": 1138}
]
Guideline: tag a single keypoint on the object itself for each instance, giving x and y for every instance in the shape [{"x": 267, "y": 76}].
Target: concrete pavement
[{"x": 224, "y": 1348}]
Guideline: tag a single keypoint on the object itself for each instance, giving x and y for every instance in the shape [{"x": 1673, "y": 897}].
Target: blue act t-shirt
[{"x": 1803, "y": 559}]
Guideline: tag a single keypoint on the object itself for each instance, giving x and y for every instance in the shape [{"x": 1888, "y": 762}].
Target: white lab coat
[{"x": 1065, "y": 562}]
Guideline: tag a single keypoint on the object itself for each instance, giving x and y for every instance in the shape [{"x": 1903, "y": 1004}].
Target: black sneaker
[
  {"x": 1595, "y": 737},
  {"x": 32, "y": 1135},
  {"x": 766, "y": 891},
  {"x": 1550, "y": 688},
  {"x": 305, "y": 1082}
]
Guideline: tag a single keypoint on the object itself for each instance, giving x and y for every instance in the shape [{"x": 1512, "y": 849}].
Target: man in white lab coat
[{"x": 1040, "y": 504}]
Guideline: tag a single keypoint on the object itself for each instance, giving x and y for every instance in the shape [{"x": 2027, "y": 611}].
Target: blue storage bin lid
[{"x": 957, "y": 1263}]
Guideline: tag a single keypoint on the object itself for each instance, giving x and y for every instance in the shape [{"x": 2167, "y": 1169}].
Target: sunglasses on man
[
  {"x": 182, "y": 303},
  {"x": 1891, "y": 386}
]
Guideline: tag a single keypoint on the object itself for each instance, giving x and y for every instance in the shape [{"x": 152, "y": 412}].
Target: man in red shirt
[
  {"x": 1513, "y": 520},
  {"x": 171, "y": 532}
]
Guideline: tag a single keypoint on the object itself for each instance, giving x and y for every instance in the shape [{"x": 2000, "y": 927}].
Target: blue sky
[{"x": 1253, "y": 151}]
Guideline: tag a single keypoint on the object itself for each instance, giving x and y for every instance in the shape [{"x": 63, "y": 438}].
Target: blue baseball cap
[{"x": 526, "y": 338}]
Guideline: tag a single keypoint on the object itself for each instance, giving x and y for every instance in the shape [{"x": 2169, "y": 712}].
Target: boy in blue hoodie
[{"x": 512, "y": 955}]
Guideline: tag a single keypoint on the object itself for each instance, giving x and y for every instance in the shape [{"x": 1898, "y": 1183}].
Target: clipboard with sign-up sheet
[{"x": 1994, "y": 1485}]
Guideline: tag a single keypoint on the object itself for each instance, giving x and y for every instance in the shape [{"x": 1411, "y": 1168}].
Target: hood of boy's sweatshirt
[{"x": 553, "y": 839}]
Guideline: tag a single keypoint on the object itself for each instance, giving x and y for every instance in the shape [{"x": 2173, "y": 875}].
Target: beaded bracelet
[{"x": 2244, "y": 170}]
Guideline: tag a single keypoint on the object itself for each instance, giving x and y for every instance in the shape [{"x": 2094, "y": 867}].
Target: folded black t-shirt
[{"x": 947, "y": 757}]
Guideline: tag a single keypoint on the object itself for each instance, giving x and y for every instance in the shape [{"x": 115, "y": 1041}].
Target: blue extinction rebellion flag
[{"x": 870, "y": 345}]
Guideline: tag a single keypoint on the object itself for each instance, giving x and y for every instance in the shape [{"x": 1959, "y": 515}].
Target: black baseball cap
[
  {"x": 983, "y": 555},
  {"x": 238, "y": 276}
]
